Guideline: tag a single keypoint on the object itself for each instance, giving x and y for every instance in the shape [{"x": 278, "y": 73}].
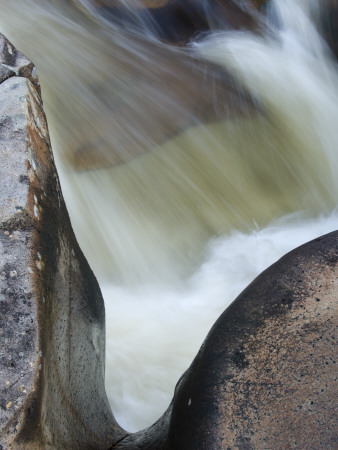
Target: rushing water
[{"x": 186, "y": 170}]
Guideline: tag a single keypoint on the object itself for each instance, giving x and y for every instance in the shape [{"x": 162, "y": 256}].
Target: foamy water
[
  {"x": 177, "y": 233},
  {"x": 153, "y": 332}
]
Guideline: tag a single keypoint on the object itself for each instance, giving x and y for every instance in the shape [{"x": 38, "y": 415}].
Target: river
[{"x": 186, "y": 169}]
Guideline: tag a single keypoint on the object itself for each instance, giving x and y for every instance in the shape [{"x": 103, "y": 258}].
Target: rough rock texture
[
  {"x": 266, "y": 375},
  {"x": 12, "y": 62},
  {"x": 51, "y": 310}
]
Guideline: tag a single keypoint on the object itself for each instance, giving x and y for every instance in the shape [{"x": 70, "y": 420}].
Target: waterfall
[{"x": 187, "y": 169}]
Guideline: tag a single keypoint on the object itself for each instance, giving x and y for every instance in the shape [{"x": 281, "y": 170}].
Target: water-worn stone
[
  {"x": 329, "y": 24},
  {"x": 178, "y": 21},
  {"x": 266, "y": 375},
  {"x": 163, "y": 99},
  {"x": 51, "y": 310}
]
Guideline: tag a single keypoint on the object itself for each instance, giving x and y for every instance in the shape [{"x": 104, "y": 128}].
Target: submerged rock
[
  {"x": 178, "y": 21},
  {"x": 165, "y": 88},
  {"x": 329, "y": 24}
]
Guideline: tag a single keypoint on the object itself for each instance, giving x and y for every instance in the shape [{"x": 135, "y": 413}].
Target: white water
[
  {"x": 182, "y": 229},
  {"x": 153, "y": 332}
]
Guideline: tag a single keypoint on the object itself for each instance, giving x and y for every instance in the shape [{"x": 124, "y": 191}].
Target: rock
[
  {"x": 51, "y": 308},
  {"x": 329, "y": 24},
  {"x": 176, "y": 91},
  {"x": 259, "y": 4},
  {"x": 266, "y": 375},
  {"x": 5, "y": 73},
  {"x": 14, "y": 61},
  {"x": 110, "y": 141},
  {"x": 178, "y": 21}
]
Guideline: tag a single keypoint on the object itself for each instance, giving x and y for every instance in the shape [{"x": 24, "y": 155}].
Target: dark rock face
[
  {"x": 329, "y": 24},
  {"x": 178, "y": 21},
  {"x": 51, "y": 308},
  {"x": 266, "y": 375}
]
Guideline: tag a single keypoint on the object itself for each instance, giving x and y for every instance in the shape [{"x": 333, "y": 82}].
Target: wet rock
[
  {"x": 259, "y": 4},
  {"x": 111, "y": 141},
  {"x": 266, "y": 375},
  {"x": 329, "y": 24},
  {"x": 51, "y": 309},
  {"x": 174, "y": 92},
  {"x": 178, "y": 21}
]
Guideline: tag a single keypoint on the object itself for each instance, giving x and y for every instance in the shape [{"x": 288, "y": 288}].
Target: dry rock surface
[{"x": 51, "y": 310}]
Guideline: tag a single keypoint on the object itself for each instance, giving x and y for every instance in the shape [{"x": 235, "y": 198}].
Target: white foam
[{"x": 153, "y": 332}]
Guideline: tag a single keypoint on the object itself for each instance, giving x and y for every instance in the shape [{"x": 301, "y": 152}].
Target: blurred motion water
[{"x": 187, "y": 169}]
